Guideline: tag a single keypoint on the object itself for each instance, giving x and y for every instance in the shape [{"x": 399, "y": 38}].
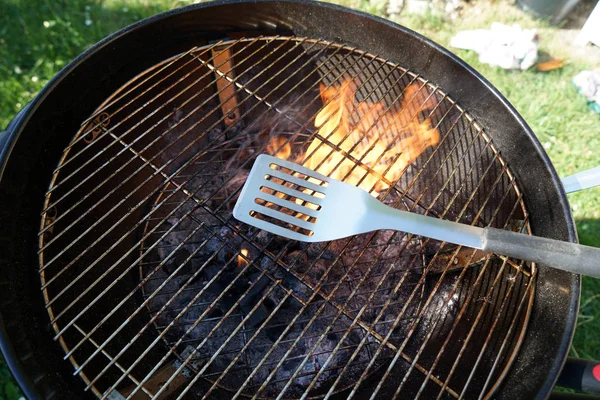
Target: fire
[
  {"x": 280, "y": 147},
  {"x": 384, "y": 140},
  {"x": 242, "y": 260}
]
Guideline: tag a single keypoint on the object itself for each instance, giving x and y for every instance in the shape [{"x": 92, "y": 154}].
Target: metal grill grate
[{"x": 154, "y": 290}]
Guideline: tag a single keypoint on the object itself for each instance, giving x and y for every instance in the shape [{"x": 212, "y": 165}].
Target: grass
[{"x": 39, "y": 37}]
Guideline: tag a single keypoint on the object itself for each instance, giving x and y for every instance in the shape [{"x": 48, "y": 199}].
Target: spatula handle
[{"x": 571, "y": 257}]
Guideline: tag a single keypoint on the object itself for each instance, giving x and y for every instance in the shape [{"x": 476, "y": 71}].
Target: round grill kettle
[{"x": 126, "y": 276}]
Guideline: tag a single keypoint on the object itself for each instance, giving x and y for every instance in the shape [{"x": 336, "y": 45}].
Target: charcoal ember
[
  {"x": 329, "y": 255},
  {"x": 234, "y": 244},
  {"x": 337, "y": 246},
  {"x": 257, "y": 284},
  {"x": 278, "y": 243},
  {"x": 273, "y": 332},
  {"x": 267, "y": 264},
  {"x": 313, "y": 270},
  {"x": 263, "y": 298},
  {"x": 216, "y": 135},
  {"x": 314, "y": 250},
  {"x": 225, "y": 233},
  {"x": 226, "y": 256},
  {"x": 236, "y": 182},
  {"x": 180, "y": 263},
  {"x": 295, "y": 257},
  {"x": 300, "y": 289},
  {"x": 263, "y": 238}
]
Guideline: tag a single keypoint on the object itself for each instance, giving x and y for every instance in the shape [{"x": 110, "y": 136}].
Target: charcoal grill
[{"x": 153, "y": 290}]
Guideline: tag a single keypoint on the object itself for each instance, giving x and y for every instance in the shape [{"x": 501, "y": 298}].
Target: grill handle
[
  {"x": 580, "y": 374},
  {"x": 571, "y": 257},
  {"x": 582, "y": 180}
]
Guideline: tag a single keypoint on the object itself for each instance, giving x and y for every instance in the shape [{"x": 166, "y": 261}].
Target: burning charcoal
[
  {"x": 263, "y": 238},
  {"x": 215, "y": 313},
  {"x": 329, "y": 255},
  {"x": 177, "y": 261},
  {"x": 319, "y": 269},
  {"x": 237, "y": 181},
  {"x": 256, "y": 292},
  {"x": 212, "y": 246},
  {"x": 225, "y": 233},
  {"x": 230, "y": 254},
  {"x": 216, "y": 134},
  {"x": 225, "y": 255},
  {"x": 267, "y": 264},
  {"x": 289, "y": 365},
  {"x": 295, "y": 257},
  {"x": 279, "y": 242},
  {"x": 314, "y": 249},
  {"x": 273, "y": 332},
  {"x": 301, "y": 289},
  {"x": 252, "y": 298}
]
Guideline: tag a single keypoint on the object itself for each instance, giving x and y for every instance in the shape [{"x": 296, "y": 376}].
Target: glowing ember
[
  {"x": 242, "y": 260},
  {"x": 386, "y": 141},
  {"x": 280, "y": 147}
]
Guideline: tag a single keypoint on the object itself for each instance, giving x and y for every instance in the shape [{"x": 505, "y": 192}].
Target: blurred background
[{"x": 40, "y": 37}]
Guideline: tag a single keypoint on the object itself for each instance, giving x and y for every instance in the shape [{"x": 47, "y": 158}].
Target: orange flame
[
  {"x": 241, "y": 260},
  {"x": 384, "y": 140},
  {"x": 280, "y": 147}
]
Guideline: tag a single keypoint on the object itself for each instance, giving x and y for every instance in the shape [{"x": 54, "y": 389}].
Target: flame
[
  {"x": 280, "y": 147},
  {"x": 241, "y": 260},
  {"x": 386, "y": 141}
]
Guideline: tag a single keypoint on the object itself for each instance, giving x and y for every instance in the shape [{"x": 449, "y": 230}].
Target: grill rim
[{"x": 70, "y": 76}]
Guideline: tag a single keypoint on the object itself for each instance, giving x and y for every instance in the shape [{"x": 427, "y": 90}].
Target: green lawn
[{"x": 39, "y": 37}]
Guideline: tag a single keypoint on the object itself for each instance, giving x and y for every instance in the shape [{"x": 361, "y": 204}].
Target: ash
[{"x": 280, "y": 314}]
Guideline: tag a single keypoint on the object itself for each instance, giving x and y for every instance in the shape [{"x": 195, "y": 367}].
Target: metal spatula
[{"x": 298, "y": 203}]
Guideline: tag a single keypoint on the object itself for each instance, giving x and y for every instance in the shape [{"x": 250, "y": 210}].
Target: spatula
[{"x": 298, "y": 203}]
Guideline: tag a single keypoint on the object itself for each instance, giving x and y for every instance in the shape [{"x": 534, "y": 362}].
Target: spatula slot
[
  {"x": 296, "y": 184},
  {"x": 281, "y": 224},
  {"x": 283, "y": 209},
  {"x": 300, "y": 175},
  {"x": 291, "y": 198}
]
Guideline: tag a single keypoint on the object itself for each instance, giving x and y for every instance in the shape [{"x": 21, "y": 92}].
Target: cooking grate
[{"x": 154, "y": 290}]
